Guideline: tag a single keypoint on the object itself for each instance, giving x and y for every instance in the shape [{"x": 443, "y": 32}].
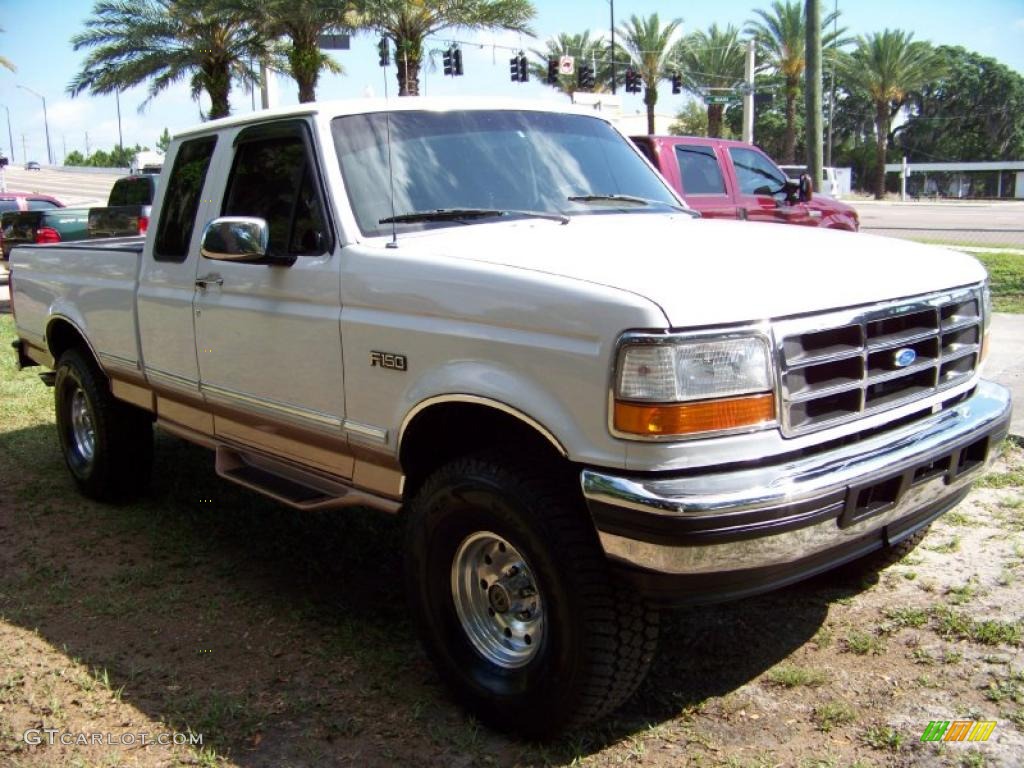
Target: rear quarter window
[{"x": 181, "y": 200}]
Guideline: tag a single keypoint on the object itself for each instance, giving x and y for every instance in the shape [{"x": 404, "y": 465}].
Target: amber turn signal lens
[
  {"x": 984, "y": 348},
  {"x": 688, "y": 418}
]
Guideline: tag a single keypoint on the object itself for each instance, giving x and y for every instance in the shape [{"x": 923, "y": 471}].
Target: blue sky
[{"x": 36, "y": 39}]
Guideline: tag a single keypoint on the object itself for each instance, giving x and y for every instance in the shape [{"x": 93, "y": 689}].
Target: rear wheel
[
  {"x": 107, "y": 444},
  {"x": 514, "y": 602}
]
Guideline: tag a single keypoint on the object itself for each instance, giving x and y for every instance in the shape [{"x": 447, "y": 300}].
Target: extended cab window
[
  {"x": 178, "y": 214},
  {"x": 273, "y": 179},
  {"x": 756, "y": 174},
  {"x": 700, "y": 171}
]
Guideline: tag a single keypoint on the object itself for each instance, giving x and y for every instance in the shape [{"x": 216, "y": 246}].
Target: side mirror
[
  {"x": 243, "y": 239},
  {"x": 806, "y": 188}
]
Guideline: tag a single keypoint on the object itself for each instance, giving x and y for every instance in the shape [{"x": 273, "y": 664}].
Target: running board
[{"x": 291, "y": 485}]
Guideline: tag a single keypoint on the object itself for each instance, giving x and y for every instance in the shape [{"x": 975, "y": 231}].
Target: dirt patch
[{"x": 282, "y": 639}]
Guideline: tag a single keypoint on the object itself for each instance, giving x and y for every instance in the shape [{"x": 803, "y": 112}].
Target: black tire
[
  {"x": 119, "y": 464},
  {"x": 598, "y": 639}
]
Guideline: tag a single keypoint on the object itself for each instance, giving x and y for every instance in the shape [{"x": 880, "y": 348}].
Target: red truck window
[
  {"x": 700, "y": 171},
  {"x": 756, "y": 174}
]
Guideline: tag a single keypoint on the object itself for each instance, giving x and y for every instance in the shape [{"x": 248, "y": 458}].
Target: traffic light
[
  {"x": 449, "y": 69},
  {"x": 632, "y": 81},
  {"x": 457, "y": 61},
  {"x": 383, "y": 52},
  {"x": 518, "y": 68},
  {"x": 552, "y": 72},
  {"x": 677, "y": 83},
  {"x": 585, "y": 77}
]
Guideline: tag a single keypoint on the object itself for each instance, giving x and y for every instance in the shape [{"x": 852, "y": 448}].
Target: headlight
[{"x": 678, "y": 387}]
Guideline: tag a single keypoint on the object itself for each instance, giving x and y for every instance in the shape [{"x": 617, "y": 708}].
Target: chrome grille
[{"x": 840, "y": 366}]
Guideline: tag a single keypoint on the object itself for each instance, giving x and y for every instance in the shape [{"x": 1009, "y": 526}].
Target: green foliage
[
  {"x": 162, "y": 42},
  {"x": 586, "y": 49},
  {"x": 711, "y": 59},
  {"x": 888, "y": 67},
  {"x": 781, "y": 36},
  {"x": 164, "y": 141},
  {"x": 408, "y": 22},
  {"x": 974, "y": 110},
  {"x": 115, "y": 158},
  {"x": 651, "y": 48}
]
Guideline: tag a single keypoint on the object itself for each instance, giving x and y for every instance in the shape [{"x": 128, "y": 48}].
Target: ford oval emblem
[{"x": 904, "y": 357}]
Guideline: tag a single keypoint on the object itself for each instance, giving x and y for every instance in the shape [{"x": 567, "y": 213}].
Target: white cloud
[{"x": 1019, "y": 23}]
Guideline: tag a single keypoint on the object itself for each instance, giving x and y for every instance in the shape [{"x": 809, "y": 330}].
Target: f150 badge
[{"x": 387, "y": 360}]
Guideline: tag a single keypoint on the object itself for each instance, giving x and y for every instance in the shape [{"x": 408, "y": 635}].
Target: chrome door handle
[{"x": 203, "y": 282}]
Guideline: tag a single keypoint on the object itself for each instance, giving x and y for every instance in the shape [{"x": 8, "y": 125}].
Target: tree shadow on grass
[{"x": 283, "y": 637}]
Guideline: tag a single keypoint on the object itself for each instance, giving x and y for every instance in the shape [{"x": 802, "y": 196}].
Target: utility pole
[
  {"x": 812, "y": 91},
  {"x": 120, "y": 140},
  {"x": 748, "y": 96},
  {"x": 612, "y": 4},
  {"x": 24, "y": 152},
  {"x": 46, "y": 122},
  {"x": 87, "y": 153},
  {"x": 10, "y": 136}
]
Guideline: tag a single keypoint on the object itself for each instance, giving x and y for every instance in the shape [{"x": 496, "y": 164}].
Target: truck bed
[{"x": 90, "y": 284}]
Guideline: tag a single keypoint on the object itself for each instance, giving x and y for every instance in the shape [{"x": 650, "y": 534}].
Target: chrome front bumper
[{"x": 746, "y": 530}]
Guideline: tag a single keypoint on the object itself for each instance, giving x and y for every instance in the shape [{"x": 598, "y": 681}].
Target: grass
[
  {"x": 1006, "y": 271},
  {"x": 883, "y": 737},
  {"x": 832, "y": 714},
  {"x": 788, "y": 676},
  {"x": 863, "y": 644},
  {"x": 951, "y": 624}
]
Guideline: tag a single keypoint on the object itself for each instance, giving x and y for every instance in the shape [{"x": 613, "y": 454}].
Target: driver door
[
  {"x": 268, "y": 334},
  {"x": 759, "y": 191}
]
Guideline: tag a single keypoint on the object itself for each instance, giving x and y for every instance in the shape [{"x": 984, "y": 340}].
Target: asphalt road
[
  {"x": 990, "y": 225},
  {"x": 73, "y": 188}
]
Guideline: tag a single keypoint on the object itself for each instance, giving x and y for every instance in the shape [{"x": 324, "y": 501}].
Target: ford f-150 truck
[
  {"x": 500, "y": 322},
  {"x": 724, "y": 179}
]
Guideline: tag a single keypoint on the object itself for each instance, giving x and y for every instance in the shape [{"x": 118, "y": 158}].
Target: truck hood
[{"x": 709, "y": 272}]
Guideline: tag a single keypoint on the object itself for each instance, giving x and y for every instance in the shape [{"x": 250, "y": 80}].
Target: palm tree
[
  {"x": 586, "y": 50},
  {"x": 5, "y": 62},
  {"x": 301, "y": 22},
  {"x": 710, "y": 60},
  {"x": 781, "y": 35},
  {"x": 649, "y": 46},
  {"x": 408, "y": 22},
  {"x": 889, "y": 66},
  {"x": 164, "y": 41}
]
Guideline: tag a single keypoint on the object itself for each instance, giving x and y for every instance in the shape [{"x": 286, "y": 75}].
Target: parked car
[
  {"x": 24, "y": 201},
  {"x": 726, "y": 179},
  {"x": 128, "y": 207},
  {"x": 499, "y": 322},
  {"x": 52, "y": 225},
  {"x": 32, "y": 165}
]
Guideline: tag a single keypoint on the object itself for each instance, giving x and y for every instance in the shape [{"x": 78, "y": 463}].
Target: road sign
[
  {"x": 333, "y": 42},
  {"x": 567, "y": 65},
  {"x": 721, "y": 99}
]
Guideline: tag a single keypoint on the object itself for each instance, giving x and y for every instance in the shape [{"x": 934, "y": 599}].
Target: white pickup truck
[{"x": 500, "y": 322}]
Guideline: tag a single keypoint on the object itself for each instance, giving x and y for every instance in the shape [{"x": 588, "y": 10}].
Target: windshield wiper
[
  {"x": 456, "y": 214},
  {"x": 627, "y": 199}
]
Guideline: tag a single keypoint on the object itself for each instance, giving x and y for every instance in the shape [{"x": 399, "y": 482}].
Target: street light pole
[
  {"x": 120, "y": 140},
  {"x": 10, "y": 136},
  {"x": 46, "y": 122}
]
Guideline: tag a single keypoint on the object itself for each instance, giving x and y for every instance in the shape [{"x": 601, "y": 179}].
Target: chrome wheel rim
[
  {"x": 497, "y": 600},
  {"x": 82, "y": 430}
]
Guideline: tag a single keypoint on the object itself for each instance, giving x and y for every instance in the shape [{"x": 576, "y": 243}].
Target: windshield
[{"x": 515, "y": 161}]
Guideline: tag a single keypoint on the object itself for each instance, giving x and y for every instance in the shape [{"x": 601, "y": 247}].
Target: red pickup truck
[{"x": 732, "y": 180}]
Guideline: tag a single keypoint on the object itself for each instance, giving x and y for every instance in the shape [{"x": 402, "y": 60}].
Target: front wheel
[
  {"x": 513, "y": 599},
  {"x": 107, "y": 444}
]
